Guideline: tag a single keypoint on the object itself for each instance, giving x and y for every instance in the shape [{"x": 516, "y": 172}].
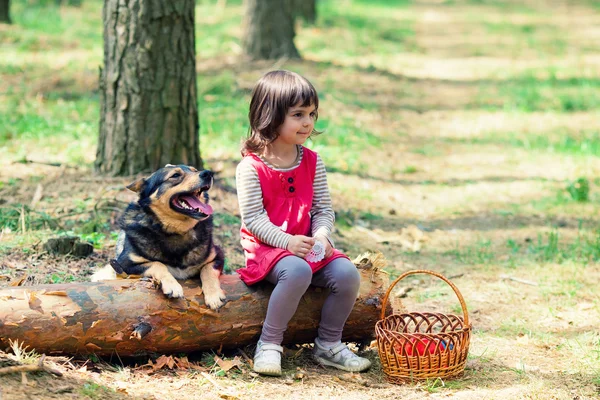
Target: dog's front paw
[
  {"x": 171, "y": 288},
  {"x": 215, "y": 300}
]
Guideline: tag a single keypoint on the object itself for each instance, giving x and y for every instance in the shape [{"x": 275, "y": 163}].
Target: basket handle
[{"x": 424, "y": 271}]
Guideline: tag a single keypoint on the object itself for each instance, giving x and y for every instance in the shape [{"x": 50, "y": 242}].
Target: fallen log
[{"x": 130, "y": 317}]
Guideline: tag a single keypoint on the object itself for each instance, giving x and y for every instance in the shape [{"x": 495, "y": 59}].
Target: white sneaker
[
  {"x": 340, "y": 357},
  {"x": 267, "y": 359}
]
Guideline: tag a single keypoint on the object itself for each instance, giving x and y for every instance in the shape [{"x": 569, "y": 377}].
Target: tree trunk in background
[
  {"x": 269, "y": 29},
  {"x": 149, "y": 110},
  {"x": 4, "y": 11},
  {"x": 306, "y": 9},
  {"x": 131, "y": 317}
]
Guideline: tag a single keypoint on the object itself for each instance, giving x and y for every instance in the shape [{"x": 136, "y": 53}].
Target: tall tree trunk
[
  {"x": 130, "y": 317},
  {"x": 4, "y": 11},
  {"x": 269, "y": 29},
  {"x": 306, "y": 9},
  {"x": 149, "y": 110}
]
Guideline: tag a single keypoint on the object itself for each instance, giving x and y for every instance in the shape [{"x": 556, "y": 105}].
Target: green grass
[
  {"x": 579, "y": 190},
  {"x": 560, "y": 204},
  {"x": 478, "y": 253},
  {"x": 550, "y": 248},
  {"x": 45, "y": 34},
  {"x": 360, "y": 28},
  {"x": 385, "y": 4},
  {"x": 60, "y": 277},
  {"x": 64, "y": 122},
  {"x": 94, "y": 391},
  {"x": 72, "y": 119},
  {"x": 506, "y": 28},
  {"x": 216, "y": 30},
  {"x": 501, "y": 4},
  {"x": 429, "y": 150},
  {"x": 223, "y": 113},
  {"x": 560, "y": 141},
  {"x": 225, "y": 219},
  {"x": 543, "y": 90},
  {"x": 546, "y": 248},
  {"x": 20, "y": 217},
  {"x": 33, "y": 225}
]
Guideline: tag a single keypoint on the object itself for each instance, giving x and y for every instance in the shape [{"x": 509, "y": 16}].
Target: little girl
[{"x": 286, "y": 208}]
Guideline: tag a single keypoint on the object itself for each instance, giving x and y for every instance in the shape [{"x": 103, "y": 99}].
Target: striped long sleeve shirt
[{"x": 255, "y": 217}]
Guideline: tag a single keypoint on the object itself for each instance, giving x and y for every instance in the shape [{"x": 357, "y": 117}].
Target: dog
[{"x": 167, "y": 234}]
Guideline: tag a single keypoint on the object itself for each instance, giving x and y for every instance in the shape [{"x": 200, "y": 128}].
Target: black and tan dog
[{"x": 167, "y": 233}]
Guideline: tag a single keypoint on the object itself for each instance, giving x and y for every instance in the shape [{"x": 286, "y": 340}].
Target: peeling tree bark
[
  {"x": 149, "y": 109},
  {"x": 132, "y": 318}
]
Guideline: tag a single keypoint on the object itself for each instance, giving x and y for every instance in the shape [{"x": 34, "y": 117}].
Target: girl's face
[{"x": 298, "y": 125}]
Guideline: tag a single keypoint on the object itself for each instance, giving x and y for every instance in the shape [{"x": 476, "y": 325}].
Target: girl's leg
[
  {"x": 291, "y": 276},
  {"x": 343, "y": 279}
]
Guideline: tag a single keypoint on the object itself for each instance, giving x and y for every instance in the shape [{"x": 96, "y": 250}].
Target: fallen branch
[
  {"x": 403, "y": 292},
  {"x": 248, "y": 359},
  {"x": 52, "y": 164},
  {"x": 524, "y": 281},
  {"x": 40, "y": 366}
]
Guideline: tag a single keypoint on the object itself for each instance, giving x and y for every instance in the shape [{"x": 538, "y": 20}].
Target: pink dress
[{"x": 287, "y": 198}]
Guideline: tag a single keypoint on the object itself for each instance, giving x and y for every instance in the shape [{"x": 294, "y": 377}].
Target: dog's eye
[{"x": 176, "y": 175}]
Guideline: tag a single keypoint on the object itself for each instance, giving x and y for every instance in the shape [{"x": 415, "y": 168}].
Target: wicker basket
[{"x": 420, "y": 346}]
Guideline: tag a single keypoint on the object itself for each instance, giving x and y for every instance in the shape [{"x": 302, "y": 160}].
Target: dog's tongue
[{"x": 195, "y": 203}]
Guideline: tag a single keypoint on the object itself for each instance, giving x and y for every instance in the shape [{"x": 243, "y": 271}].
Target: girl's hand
[
  {"x": 326, "y": 244},
  {"x": 300, "y": 245}
]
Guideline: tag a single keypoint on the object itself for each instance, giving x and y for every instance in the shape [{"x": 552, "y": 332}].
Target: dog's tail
[{"x": 105, "y": 273}]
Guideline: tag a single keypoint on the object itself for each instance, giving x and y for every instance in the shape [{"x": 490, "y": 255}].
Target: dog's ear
[{"x": 137, "y": 186}]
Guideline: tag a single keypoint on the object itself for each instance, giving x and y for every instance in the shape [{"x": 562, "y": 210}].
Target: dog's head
[{"x": 177, "y": 194}]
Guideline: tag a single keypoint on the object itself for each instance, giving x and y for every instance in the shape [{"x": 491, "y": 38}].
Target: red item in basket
[{"x": 421, "y": 345}]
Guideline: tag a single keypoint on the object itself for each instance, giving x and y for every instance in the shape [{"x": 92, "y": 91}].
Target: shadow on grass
[
  {"x": 525, "y": 92},
  {"x": 447, "y": 182},
  {"x": 488, "y": 221}
]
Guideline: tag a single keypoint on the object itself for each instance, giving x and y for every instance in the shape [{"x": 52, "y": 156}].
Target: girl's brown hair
[{"x": 274, "y": 94}]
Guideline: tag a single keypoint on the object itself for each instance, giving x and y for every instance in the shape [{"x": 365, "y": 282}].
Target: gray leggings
[{"x": 291, "y": 277}]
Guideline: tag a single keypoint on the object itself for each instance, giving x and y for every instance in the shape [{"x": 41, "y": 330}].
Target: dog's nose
[{"x": 206, "y": 175}]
